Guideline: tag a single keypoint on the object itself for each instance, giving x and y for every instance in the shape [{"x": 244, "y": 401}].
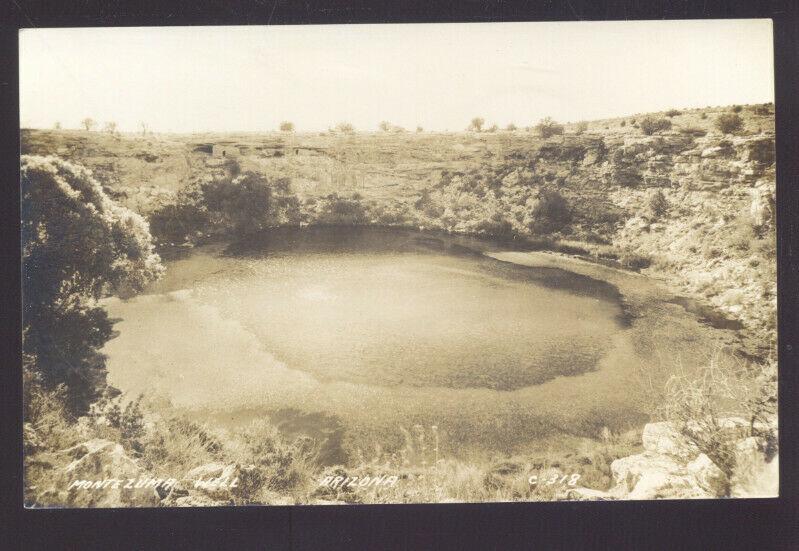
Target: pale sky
[{"x": 438, "y": 76}]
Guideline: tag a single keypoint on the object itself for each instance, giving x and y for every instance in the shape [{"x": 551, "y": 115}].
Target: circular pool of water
[{"x": 380, "y": 329}]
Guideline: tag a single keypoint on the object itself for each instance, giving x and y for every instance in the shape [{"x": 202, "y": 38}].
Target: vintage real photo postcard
[{"x": 418, "y": 263}]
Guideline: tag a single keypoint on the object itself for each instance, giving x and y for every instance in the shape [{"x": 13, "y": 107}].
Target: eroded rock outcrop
[
  {"x": 672, "y": 467},
  {"x": 97, "y": 473}
]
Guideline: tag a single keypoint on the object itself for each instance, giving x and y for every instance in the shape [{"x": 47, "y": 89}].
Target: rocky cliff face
[
  {"x": 697, "y": 211},
  {"x": 716, "y": 237}
]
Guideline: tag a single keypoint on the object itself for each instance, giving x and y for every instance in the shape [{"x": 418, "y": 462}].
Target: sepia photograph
[{"x": 398, "y": 263}]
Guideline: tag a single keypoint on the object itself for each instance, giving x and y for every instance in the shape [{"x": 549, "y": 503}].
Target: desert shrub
[
  {"x": 127, "y": 422},
  {"x": 242, "y": 205},
  {"x": 736, "y": 108},
  {"x": 623, "y": 124},
  {"x": 419, "y": 129},
  {"x": 391, "y": 213},
  {"x": 766, "y": 246},
  {"x": 492, "y": 128},
  {"x": 729, "y": 123},
  {"x": 176, "y": 444},
  {"x": 338, "y": 210},
  {"x": 345, "y": 128},
  {"x": 384, "y": 126},
  {"x": 634, "y": 261},
  {"x": 48, "y": 426},
  {"x": 77, "y": 246},
  {"x": 551, "y": 213},
  {"x": 495, "y": 225},
  {"x": 285, "y": 209},
  {"x": 426, "y": 204},
  {"x": 741, "y": 235},
  {"x": 45, "y": 412},
  {"x": 245, "y": 204},
  {"x": 700, "y": 403},
  {"x": 279, "y": 465},
  {"x": 710, "y": 251},
  {"x": 652, "y": 125},
  {"x": 601, "y": 216},
  {"x": 673, "y": 113},
  {"x": 762, "y": 110},
  {"x": 703, "y": 115},
  {"x": 658, "y": 204},
  {"x": 561, "y": 152},
  {"x": 581, "y": 127},
  {"x": 231, "y": 167},
  {"x": 547, "y": 128},
  {"x": 178, "y": 221},
  {"x": 761, "y": 406},
  {"x": 511, "y": 127},
  {"x": 287, "y": 126},
  {"x": 146, "y": 156}
]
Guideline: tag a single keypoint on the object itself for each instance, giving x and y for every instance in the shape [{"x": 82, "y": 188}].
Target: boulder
[
  {"x": 759, "y": 150},
  {"x": 663, "y": 438},
  {"x": 762, "y": 206},
  {"x": 651, "y": 475},
  {"x": 709, "y": 476},
  {"x": 712, "y": 152},
  {"x": 100, "y": 460},
  {"x": 628, "y": 471},
  {"x": 666, "y": 485},
  {"x": 753, "y": 476}
]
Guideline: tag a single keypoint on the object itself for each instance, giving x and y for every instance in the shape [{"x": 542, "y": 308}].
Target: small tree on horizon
[
  {"x": 57, "y": 126},
  {"x": 287, "y": 126},
  {"x": 87, "y": 123},
  {"x": 419, "y": 129},
  {"x": 511, "y": 127},
  {"x": 547, "y": 128},
  {"x": 110, "y": 127},
  {"x": 345, "y": 128},
  {"x": 477, "y": 124},
  {"x": 580, "y": 127},
  {"x": 384, "y": 126}
]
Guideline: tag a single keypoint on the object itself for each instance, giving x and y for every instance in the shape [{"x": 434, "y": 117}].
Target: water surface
[{"x": 379, "y": 329}]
